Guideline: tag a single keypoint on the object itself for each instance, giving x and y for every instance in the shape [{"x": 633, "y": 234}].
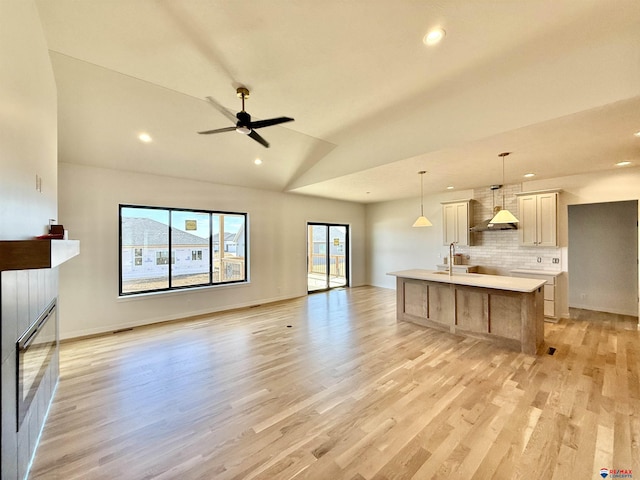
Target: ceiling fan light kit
[
  {"x": 503, "y": 215},
  {"x": 244, "y": 124}
]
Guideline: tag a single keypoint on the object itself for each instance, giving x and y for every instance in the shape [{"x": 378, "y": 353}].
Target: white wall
[
  {"x": 28, "y": 124},
  {"x": 28, "y": 147},
  {"x": 394, "y": 245},
  {"x": 89, "y": 199}
]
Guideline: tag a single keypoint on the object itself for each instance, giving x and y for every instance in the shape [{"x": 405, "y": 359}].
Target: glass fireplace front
[{"x": 34, "y": 351}]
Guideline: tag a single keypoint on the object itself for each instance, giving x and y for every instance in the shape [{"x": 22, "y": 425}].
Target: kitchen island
[{"x": 505, "y": 310}]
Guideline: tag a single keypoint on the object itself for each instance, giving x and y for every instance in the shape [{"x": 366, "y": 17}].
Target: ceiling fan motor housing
[{"x": 244, "y": 119}]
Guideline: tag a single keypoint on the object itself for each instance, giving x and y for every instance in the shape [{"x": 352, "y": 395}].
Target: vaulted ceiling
[{"x": 556, "y": 82}]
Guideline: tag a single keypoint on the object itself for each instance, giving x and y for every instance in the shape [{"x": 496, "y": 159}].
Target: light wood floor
[{"x": 343, "y": 393}]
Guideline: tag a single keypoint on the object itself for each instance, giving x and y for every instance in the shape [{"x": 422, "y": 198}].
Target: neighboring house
[{"x": 145, "y": 250}]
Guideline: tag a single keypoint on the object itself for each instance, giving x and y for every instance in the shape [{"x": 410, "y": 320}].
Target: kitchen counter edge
[{"x": 499, "y": 282}]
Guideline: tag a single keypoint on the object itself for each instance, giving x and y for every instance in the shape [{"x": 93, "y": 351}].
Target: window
[
  {"x": 138, "y": 257},
  {"x": 168, "y": 248}
]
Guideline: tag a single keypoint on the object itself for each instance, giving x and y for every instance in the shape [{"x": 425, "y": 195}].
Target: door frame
[{"x": 347, "y": 255}]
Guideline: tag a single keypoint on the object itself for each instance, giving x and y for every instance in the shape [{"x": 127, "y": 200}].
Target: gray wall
[{"x": 603, "y": 255}]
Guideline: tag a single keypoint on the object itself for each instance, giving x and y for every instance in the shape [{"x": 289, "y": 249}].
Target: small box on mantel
[{"x": 56, "y": 229}]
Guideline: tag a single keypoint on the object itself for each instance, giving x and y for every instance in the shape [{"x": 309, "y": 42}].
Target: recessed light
[
  {"x": 637, "y": 134},
  {"x": 434, "y": 36},
  {"x": 529, "y": 175},
  {"x": 450, "y": 187},
  {"x": 257, "y": 161},
  {"x": 145, "y": 137},
  {"x": 623, "y": 163}
]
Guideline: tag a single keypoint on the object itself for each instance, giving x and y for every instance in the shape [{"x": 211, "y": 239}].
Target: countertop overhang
[
  {"x": 528, "y": 271},
  {"x": 514, "y": 284}
]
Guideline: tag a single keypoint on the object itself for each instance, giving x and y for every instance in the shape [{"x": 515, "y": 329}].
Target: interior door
[{"x": 327, "y": 256}]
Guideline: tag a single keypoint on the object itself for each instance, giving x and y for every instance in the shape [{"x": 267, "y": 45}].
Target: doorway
[
  {"x": 327, "y": 256},
  {"x": 603, "y": 257}
]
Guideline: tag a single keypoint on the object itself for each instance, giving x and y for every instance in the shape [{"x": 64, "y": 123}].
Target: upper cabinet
[
  {"x": 538, "y": 212},
  {"x": 456, "y": 218}
]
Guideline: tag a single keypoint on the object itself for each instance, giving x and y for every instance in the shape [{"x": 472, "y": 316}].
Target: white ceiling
[{"x": 556, "y": 82}]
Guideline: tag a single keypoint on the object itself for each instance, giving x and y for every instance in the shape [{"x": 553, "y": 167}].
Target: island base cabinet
[
  {"x": 441, "y": 306},
  {"x": 472, "y": 310},
  {"x": 414, "y": 300},
  {"x": 509, "y": 319},
  {"x": 505, "y": 316}
]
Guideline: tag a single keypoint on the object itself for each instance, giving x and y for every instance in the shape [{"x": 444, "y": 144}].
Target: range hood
[{"x": 487, "y": 226}]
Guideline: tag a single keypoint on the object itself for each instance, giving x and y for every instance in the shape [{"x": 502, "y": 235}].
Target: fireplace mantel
[{"x": 32, "y": 254}]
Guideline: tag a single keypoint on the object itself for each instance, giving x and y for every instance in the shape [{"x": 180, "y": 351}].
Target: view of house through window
[{"x": 164, "y": 249}]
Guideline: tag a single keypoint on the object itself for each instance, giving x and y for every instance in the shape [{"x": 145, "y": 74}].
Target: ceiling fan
[{"x": 243, "y": 120}]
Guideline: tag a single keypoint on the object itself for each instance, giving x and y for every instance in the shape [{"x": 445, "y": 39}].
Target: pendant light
[
  {"x": 503, "y": 215},
  {"x": 422, "y": 221}
]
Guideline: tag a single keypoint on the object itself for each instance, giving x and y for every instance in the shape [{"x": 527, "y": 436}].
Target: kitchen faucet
[{"x": 452, "y": 252}]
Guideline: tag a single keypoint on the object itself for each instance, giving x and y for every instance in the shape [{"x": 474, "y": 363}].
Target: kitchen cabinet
[
  {"x": 456, "y": 218},
  {"x": 550, "y": 307},
  {"x": 538, "y": 214}
]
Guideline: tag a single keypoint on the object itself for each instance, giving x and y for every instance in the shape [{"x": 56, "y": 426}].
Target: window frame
[{"x": 170, "y": 287}]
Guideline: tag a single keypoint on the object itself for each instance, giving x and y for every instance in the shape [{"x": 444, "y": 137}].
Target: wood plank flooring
[{"x": 329, "y": 386}]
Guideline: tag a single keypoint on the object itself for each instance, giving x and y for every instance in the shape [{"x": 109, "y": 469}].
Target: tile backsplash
[{"x": 499, "y": 252}]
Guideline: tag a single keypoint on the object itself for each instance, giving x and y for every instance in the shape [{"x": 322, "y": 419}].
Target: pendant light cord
[
  {"x": 421, "y": 196},
  {"x": 422, "y": 192},
  {"x": 503, "y": 154}
]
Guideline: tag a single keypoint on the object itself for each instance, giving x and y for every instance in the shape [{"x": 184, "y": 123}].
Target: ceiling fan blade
[
  {"x": 218, "y": 130},
  {"x": 270, "y": 121},
  {"x": 258, "y": 138},
  {"x": 222, "y": 109}
]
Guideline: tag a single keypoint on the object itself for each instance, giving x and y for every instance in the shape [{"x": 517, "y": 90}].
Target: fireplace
[{"x": 34, "y": 351}]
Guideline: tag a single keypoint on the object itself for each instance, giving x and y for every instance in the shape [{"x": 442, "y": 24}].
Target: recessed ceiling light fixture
[
  {"x": 623, "y": 163},
  {"x": 257, "y": 161},
  {"x": 145, "y": 137},
  {"x": 637, "y": 134},
  {"x": 450, "y": 187},
  {"x": 529, "y": 175},
  {"x": 434, "y": 36}
]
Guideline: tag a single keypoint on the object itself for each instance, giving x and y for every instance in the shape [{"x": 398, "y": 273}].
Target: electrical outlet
[{"x": 555, "y": 260}]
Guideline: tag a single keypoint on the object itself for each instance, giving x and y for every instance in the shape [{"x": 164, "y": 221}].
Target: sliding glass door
[{"x": 327, "y": 256}]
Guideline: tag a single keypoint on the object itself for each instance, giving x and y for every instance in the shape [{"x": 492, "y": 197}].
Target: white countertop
[
  {"x": 515, "y": 284},
  {"x": 526, "y": 271}
]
